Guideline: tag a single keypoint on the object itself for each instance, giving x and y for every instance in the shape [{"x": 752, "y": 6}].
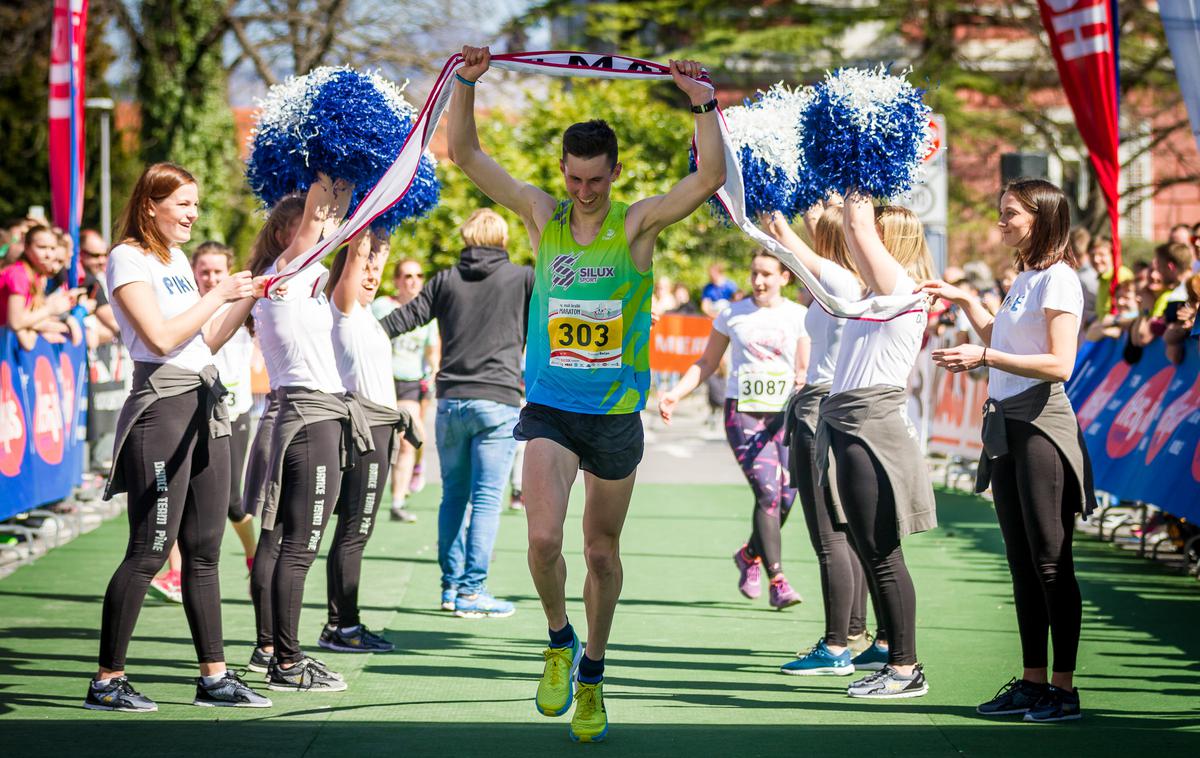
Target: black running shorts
[
  {"x": 406, "y": 390},
  {"x": 609, "y": 447}
]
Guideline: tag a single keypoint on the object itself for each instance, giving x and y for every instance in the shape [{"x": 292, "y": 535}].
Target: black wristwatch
[{"x": 711, "y": 105}]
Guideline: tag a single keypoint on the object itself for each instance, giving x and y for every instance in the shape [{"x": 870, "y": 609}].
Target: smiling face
[
  {"x": 589, "y": 181},
  {"x": 1015, "y": 222},
  {"x": 210, "y": 270},
  {"x": 767, "y": 277},
  {"x": 373, "y": 270},
  {"x": 175, "y": 214}
]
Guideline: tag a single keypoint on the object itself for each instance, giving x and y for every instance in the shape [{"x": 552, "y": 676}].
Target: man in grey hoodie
[{"x": 482, "y": 311}]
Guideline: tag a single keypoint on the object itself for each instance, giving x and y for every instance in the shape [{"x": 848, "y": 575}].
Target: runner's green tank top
[{"x": 588, "y": 349}]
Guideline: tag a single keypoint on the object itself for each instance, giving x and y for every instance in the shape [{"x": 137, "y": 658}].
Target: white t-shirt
[
  {"x": 824, "y": 329},
  {"x": 174, "y": 290},
  {"x": 408, "y": 349},
  {"x": 1020, "y": 326},
  {"x": 761, "y": 337},
  {"x": 295, "y": 334},
  {"x": 880, "y": 353},
  {"x": 233, "y": 362},
  {"x": 363, "y": 353}
]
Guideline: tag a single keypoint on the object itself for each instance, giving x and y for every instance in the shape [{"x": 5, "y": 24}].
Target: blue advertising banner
[
  {"x": 1141, "y": 423},
  {"x": 43, "y": 422}
]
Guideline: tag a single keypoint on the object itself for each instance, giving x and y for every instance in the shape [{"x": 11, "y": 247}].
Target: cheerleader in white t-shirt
[
  {"x": 311, "y": 424},
  {"x": 172, "y": 450},
  {"x": 364, "y": 360},
  {"x": 769, "y": 358},
  {"x": 882, "y": 481},
  {"x": 1034, "y": 456},
  {"x": 843, "y": 581}
]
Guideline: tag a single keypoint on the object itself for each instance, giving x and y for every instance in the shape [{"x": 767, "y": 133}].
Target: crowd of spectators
[{"x": 37, "y": 296}]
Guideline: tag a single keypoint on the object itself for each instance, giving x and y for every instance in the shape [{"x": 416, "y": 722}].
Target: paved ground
[{"x": 692, "y": 669}]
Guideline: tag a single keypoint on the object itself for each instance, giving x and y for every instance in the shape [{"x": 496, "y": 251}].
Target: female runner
[{"x": 770, "y": 355}]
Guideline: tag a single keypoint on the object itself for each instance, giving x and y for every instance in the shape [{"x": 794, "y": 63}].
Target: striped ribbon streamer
[{"x": 399, "y": 176}]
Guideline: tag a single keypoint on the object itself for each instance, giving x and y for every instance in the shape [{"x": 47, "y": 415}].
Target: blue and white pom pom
[
  {"x": 766, "y": 135},
  {"x": 866, "y": 130},
  {"x": 343, "y": 123}
]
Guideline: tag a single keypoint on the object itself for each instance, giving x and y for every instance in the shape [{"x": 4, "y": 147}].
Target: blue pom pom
[
  {"x": 766, "y": 135},
  {"x": 866, "y": 131},
  {"x": 343, "y": 123}
]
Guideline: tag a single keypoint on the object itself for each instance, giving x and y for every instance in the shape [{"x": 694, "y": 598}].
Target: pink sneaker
[
  {"x": 417, "y": 483},
  {"x": 782, "y": 594},
  {"x": 167, "y": 587},
  {"x": 749, "y": 574}
]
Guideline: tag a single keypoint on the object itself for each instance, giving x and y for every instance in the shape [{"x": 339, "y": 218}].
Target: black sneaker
[
  {"x": 887, "y": 684},
  {"x": 361, "y": 640},
  {"x": 1055, "y": 705},
  {"x": 1014, "y": 698},
  {"x": 260, "y": 661},
  {"x": 118, "y": 695},
  {"x": 231, "y": 692},
  {"x": 306, "y": 676}
]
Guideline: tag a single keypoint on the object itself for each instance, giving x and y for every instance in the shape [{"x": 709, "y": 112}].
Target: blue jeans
[{"x": 475, "y": 448}]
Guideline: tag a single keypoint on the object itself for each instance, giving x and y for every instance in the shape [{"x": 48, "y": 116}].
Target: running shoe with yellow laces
[
  {"x": 558, "y": 678},
  {"x": 589, "y": 723}
]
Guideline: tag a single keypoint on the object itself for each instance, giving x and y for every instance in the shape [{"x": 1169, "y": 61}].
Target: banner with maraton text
[{"x": 43, "y": 422}]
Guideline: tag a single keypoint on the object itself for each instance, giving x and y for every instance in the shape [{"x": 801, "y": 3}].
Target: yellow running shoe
[
  {"x": 590, "y": 722},
  {"x": 555, "y": 689}
]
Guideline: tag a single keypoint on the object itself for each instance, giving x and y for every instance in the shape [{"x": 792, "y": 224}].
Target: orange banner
[
  {"x": 676, "y": 342},
  {"x": 260, "y": 383},
  {"x": 957, "y": 413}
]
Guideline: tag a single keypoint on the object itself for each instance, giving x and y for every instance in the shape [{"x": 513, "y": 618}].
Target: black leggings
[
  {"x": 1036, "y": 498},
  {"x": 312, "y": 478},
  {"x": 870, "y": 507},
  {"x": 357, "y": 507},
  {"x": 239, "y": 444},
  {"x": 177, "y": 479},
  {"x": 843, "y": 583}
]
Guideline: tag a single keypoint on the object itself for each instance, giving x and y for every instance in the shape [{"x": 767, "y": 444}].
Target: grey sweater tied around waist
[
  {"x": 1047, "y": 408},
  {"x": 876, "y": 416},
  {"x": 156, "y": 381}
]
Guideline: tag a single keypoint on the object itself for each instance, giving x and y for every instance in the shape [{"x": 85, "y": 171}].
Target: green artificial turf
[{"x": 692, "y": 666}]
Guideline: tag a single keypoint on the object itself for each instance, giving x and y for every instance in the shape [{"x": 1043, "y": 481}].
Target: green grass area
[{"x": 692, "y": 668}]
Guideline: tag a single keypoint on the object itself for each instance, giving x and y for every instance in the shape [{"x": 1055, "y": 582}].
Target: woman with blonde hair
[
  {"x": 482, "y": 311},
  {"x": 843, "y": 582},
  {"x": 172, "y": 449},
  {"x": 882, "y": 481}
]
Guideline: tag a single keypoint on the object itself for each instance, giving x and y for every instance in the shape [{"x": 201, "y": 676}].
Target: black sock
[
  {"x": 564, "y": 637},
  {"x": 590, "y": 672}
]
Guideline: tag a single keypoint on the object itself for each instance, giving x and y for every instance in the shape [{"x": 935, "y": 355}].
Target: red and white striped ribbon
[{"x": 399, "y": 176}]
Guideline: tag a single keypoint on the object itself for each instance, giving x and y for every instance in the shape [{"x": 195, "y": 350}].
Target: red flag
[
  {"x": 66, "y": 119},
  {"x": 1084, "y": 39}
]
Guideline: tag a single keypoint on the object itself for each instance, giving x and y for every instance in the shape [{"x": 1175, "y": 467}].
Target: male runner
[{"x": 587, "y": 366}]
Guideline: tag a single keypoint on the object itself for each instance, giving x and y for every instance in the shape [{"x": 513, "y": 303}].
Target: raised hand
[
  {"x": 686, "y": 74},
  {"x": 478, "y": 60}
]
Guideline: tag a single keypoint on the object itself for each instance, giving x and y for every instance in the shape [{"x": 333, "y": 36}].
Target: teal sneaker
[
  {"x": 820, "y": 661},
  {"x": 873, "y": 658}
]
